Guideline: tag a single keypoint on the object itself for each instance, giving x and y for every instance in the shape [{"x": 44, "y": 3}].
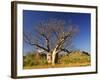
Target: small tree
[{"x": 52, "y": 36}]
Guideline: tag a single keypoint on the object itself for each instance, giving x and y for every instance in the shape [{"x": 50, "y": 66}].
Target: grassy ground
[
  {"x": 58, "y": 65},
  {"x": 75, "y": 59}
]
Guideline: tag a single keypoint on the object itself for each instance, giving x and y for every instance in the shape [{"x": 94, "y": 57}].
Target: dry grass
[
  {"x": 75, "y": 59},
  {"x": 58, "y": 65}
]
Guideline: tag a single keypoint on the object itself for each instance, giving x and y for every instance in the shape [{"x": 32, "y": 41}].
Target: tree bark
[{"x": 54, "y": 57}]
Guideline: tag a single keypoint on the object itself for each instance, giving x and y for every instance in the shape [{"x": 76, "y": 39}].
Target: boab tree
[{"x": 52, "y": 36}]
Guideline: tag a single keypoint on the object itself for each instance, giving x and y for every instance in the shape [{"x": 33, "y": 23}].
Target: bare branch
[
  {"x": 55, "y": 34},
  {"x": 47, "y": 41},
  {"x": 65, "y": 50},
  {"x": 29, "y": 41}
]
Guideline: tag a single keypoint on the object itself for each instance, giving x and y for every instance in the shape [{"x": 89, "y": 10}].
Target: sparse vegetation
[{"x": 74, "y": 59}]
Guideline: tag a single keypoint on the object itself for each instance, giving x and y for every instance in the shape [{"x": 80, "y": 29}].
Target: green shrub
[
  {"x": 74, "y": 58},
  {"x": 32, "y": 60}
]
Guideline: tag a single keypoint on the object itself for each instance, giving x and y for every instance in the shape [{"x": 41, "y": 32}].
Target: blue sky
[{"x": 83, "y": 38}]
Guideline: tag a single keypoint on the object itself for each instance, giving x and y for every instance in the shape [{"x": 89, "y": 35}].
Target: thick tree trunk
[{"x": 54, "y": 57}]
